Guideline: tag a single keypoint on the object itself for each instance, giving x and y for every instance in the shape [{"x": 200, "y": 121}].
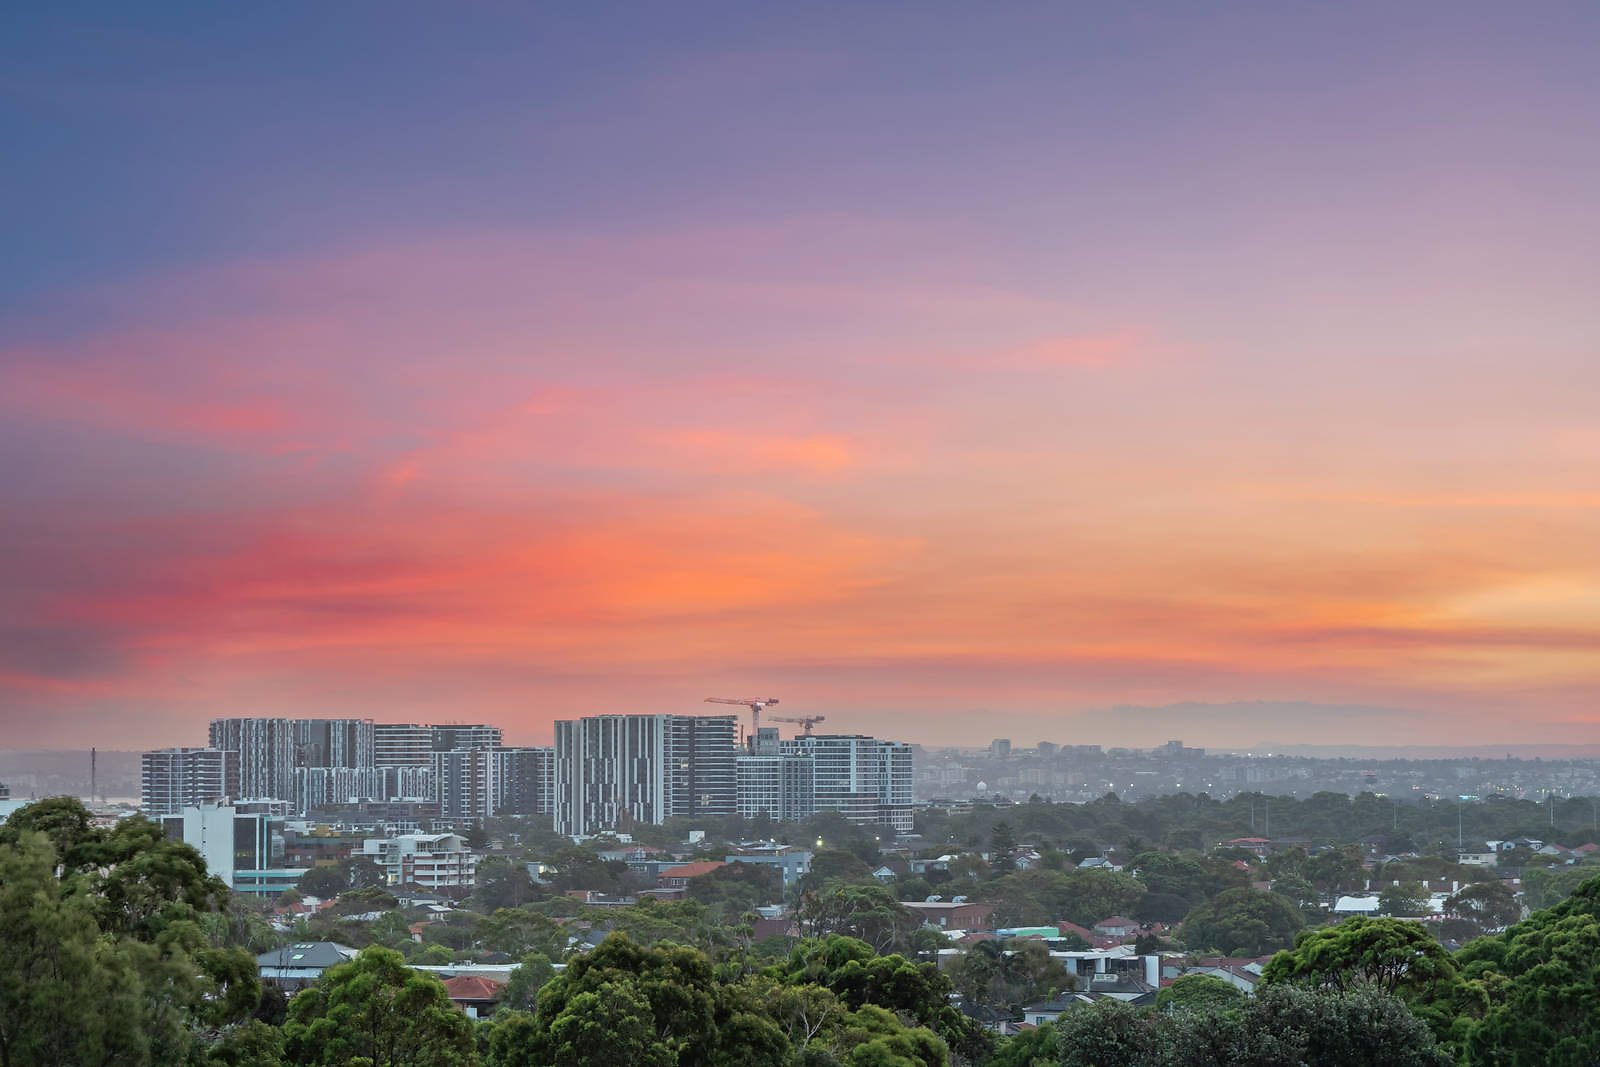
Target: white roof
[{"x": 1357, "y": 905}]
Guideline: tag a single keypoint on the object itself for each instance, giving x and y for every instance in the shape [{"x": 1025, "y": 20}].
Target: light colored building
[
  {"x": 464, "y": 783},
  {"x": 868, "y": 781},
  {"x": 781, "y": 787},
  {"x": 614, "y": 771},
  {"x": 243, "y": 848},
  {"x": 316, "y": 787},
  {"x": 171, "y": 779},
  {"x": 429, "y": 861},
  {"x": 402, "y": 744}
]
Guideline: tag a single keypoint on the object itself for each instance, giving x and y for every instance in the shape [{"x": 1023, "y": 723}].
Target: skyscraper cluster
[
  {"x": 311, "y": 764},
  {"x": 614, "y": 770},
  {"x": 604, "y": 772}
]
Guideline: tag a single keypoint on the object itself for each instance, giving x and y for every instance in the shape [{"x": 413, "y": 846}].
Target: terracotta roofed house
[
  {"x": 679, "y": 877},
  {"x": 475, "y": 995}
]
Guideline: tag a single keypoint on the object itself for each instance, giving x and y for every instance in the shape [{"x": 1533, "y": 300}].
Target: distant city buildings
[
  {"x": 604, "y": 773},
  {"x": 525, "y": 780},
  {"x": 171, "y": 779},
  {"x": 455, "y": 774},
  {"x": 612, "y": 771}
]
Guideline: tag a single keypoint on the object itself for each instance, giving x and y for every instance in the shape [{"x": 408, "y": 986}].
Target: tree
[
  {"x": 1280, "y": 1025},
  {"x": 995, "y": 978},
  {"x": 503, "y": 883},
  {"x": 530, "y": 975},
  {"x": 860, "y": 978},
  {"x": 1002, "y": 849},
  {"x": 1334, "y": 871},
  {"x": 834, "y": 865},
  {"x": 605, "y": 1026},
  {"x": 1186, "y": 874},
  {"x": 54, "y": 962},
  {"x": 737, "y": 888},
  {"x": 663, "y": 1003},
  {"x": 1106, "y": 1033},
  {"x": 1531, "y": 994},
  {"x": 330, "y": 880},
  {"x": 1031, "y": 1048},
  {"x": 250, "y": 1044},
  {"x": 120, "y": 917},
  {"x": 323, "y": 882},
  {"x": 517, "y": 932},
  {"x": 1403, "y": 899},
  {"x": 377, "y": 1010},
  {"x": 1199, "y": 992},
  {"x": 867, "y": 912},
  {"x": 1488, "y": 905},
  {"x": 1243, "y": 922},
  {"x": 1393, "y": 955}
]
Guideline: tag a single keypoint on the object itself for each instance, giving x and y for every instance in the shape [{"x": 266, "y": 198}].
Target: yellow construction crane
[
  {"x": 807, "y": 721},
  {"x": 755, "y": 707}
]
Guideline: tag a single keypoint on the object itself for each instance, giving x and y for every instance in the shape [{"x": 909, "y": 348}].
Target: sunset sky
[{"x": 949, "y": 370}]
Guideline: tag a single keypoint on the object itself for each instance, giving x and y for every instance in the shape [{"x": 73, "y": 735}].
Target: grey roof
[{"x": 306, "y": 955}]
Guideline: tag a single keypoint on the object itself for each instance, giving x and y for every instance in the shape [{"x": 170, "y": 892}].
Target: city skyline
[{"x": 950, "y": 373}]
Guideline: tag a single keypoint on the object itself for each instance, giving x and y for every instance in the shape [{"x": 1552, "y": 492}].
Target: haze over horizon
[{"x": 951, "y": 372}]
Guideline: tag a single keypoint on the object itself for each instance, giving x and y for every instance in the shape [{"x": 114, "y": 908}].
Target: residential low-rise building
[
  {"x": 792, "y": 863},
  {"x": 301, "y": 964},
  {"x": 428, "y": 861}
]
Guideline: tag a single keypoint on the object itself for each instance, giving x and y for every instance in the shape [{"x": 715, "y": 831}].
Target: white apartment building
[
  {"x": 778, "y": 786},
  {"x": 429, "y": 861},
  {"x": 868, "y": 781},
  {"x": 171, "y": 779}
]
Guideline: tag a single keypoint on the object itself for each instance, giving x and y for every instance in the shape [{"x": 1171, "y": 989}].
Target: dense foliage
[{"x": 129, "y": 922}]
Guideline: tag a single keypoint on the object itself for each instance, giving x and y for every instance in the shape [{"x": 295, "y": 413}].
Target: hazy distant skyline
[{"x": 946, "y": 370}]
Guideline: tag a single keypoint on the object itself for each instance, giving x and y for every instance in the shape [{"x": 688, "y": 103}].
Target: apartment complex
[
  {"x": 524, "y": 781},
  {"x": 266, "y": 754},
  {"x": 614, "y": 771},
  {"x": 171, "y": 779},
  {"x": 866, "y": 780},
  {"x": 429, "y": 861},
  {"x": 316, "y": 764},
  {"x": 605, "y": 772}
]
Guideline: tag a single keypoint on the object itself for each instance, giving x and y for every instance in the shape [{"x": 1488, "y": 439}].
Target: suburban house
[
  {"x": 299, "y": 965},
  {"x": 476, "y": 996},
  {"x": 680, "y": 876},
  {"x": 1117, "y": 926},
  {"x": 957, "y": 914}
]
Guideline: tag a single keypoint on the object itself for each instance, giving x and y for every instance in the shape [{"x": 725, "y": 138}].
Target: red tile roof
[
  {"x": 474, "y": 988},
  {"x": 692, "y": 870}
]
